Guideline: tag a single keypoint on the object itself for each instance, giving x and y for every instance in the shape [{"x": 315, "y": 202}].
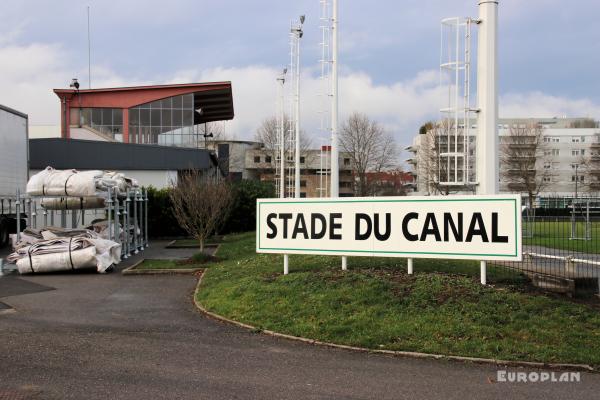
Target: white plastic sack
[{"x": 78, "y": 259}]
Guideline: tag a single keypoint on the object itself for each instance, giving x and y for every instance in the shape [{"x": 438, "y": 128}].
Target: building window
[
  {"x": 268, "y": 159},
  {"x": 346, "y": 161},
  {"x": 580, "y": 177},
  {"x": 547, "y": 166},
  {"x": 302, "y": 160},
  {"x": 302, "y": 183},
  {"x": 106, "y": 121},
  {"x": 302, "y": 194},
  {"x": 168, "y": 122},
  {"x": 257, "y": 159},
  {"x": 547, "y": 179},
  {"x": 574, "y": 152},
  {"x": 575, "y": 139}
]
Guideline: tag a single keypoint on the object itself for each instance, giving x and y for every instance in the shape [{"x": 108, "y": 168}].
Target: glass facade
[
  {"x": 107, "y": 121},
  {"x": 167, "y": 122}
]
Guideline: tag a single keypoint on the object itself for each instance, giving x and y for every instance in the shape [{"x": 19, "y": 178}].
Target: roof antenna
[{"x": 89, "y": 49}]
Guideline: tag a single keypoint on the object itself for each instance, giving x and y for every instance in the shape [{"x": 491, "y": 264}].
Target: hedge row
[{"x": 162, "y": 222}]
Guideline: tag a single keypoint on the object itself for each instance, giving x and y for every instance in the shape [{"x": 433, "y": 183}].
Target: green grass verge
[
  {"x": 377, "y": 305},
  {"x": 556, "y": 235}
]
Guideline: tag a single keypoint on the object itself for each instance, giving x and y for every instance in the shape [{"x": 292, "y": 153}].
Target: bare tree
[
  {"x": 526, "y": 160},
  {"x": 200, "y": 204},
  {"x": 438, "y": 169},
  {"x": 590, "y": 166},
  {"x": 268, "y": 131},
  {"x": 433, "y": 169},
  {"x": 370, "y": 147}
]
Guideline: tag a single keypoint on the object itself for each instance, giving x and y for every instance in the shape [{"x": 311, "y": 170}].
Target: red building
[{"x": 158, "y": 114}]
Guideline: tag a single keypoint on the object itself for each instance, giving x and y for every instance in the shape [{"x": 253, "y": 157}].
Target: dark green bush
[
  {"x": 243, "y": 213},
  {"x": 162, "y": 222}
]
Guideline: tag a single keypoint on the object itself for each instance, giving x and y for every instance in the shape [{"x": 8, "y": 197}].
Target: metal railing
[
  {"x": 126, "y": 216},
  {"x": 561, "y": 246}
]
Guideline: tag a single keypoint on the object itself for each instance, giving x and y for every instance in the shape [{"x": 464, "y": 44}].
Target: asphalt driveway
[{"x": 90, "y": 336}]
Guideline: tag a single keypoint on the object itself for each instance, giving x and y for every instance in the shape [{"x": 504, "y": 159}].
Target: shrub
[
  {"x": 243, "y": 212},
  {"x": 161, "y": 221},
  {"x": 242, "y": 218}
]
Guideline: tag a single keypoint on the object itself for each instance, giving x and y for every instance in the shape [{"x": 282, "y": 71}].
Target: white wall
[{"x": 13, "y": 153}]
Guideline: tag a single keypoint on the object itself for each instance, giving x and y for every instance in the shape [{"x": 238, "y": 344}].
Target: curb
[
  {"x": 172, "y": 245},
  {"x": 396, "y": 353},
  {"x": 133, "y": 271}
]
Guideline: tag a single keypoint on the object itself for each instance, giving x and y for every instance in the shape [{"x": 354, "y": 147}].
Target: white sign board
[{"x": 460, "y": 227}]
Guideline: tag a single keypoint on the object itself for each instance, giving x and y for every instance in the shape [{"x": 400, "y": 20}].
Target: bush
[
  {"x": 162, "y": 222},
  {"x": 243, "y": 212}
]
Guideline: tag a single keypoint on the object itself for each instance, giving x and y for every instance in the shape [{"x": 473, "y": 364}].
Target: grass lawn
[
  {"x": 377, "y": 305},
  {"x": 556, "y": 235}
]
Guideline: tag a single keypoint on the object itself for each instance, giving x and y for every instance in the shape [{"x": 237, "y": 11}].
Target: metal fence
[
  {"x": 126, "y": 216},
  {"x": 561, "y": 245}
]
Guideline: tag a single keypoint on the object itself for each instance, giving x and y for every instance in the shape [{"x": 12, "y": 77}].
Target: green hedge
[
  {"x": 243, "y": 213},
  {"x": 162, "y": 222}
]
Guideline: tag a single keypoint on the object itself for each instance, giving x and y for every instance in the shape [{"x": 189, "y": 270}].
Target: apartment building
[{"x": 561, "y": 159}]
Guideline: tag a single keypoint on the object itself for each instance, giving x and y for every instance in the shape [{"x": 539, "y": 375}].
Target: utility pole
[
  {"x": 297, "y": 34},
  {"x": 281, "y": 133},
  {"x": 487, "y": 99},
  {"x": 281, "y": 139},
  {"x": 335, "y": 152}
]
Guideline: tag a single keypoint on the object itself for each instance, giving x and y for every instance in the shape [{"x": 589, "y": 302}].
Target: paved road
[{"x": 140, "y": 337}]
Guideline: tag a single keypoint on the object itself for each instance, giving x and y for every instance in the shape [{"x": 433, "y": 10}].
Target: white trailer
[{"x": 14, "y": 168}]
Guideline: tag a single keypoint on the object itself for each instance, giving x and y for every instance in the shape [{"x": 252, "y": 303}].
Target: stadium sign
[{"x": 459, "y": 227}]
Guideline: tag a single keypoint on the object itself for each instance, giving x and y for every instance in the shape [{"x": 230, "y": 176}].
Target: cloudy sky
[{"x": 549, "y": 54}]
